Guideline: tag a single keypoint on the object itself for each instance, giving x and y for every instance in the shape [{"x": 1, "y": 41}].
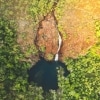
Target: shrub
[
  {"x": 13, "y": 70},
  {"x": 83, "y": 82}
]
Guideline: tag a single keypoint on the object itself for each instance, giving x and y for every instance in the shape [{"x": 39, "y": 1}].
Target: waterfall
[{"x": 59, "y": 43}]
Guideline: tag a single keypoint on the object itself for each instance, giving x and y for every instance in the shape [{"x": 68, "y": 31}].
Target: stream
[{"x": 59, "y": 46}]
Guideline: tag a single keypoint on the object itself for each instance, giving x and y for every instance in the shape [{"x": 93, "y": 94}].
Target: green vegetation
[
  {"x": 50, "y": 56},
  {"x": 59, "y": 11},
  {"x": 41, "y": 7},
  {"x": 13, "y": 9},
  {"x": 84, "y": 78},
  {"x": 13, "y": 68},
  {"x": 97, "y": 23},
  {"x": 83, "y": 82},
  {"x": 42, "y": 49}
]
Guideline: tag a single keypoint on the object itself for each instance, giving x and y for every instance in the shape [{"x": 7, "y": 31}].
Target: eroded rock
[
  {"x": 47, "y": 37},
  {"x": 78, "y": 23}
]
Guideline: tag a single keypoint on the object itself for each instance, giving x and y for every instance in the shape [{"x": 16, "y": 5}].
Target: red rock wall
[
  {"x": 47, "y": 37},
  {"x": 78, "y": 22}
]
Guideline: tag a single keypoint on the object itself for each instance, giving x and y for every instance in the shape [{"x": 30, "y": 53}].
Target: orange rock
[
  {"x": 77, "y": 22},
  {"x": 47, "y": 37}
]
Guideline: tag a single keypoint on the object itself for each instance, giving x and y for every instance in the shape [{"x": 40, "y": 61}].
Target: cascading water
[{"x": 59, "y": 43}]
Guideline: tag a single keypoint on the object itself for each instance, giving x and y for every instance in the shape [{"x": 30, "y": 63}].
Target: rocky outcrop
[
  {"x": 78, "y": 30},
  {"x": 78, "y": 23},
  {"x": 47, "y": 37},
  {"x": 75, "y": 20}
]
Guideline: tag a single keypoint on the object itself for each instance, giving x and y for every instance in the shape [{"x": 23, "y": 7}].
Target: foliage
[
  {"x": 50, "y": 56},
  {"x": 40, "y": 8},
  {"x": 83, "y": 82},
  {"x": 10, "y": 65},
  {"x": 13, "y": 70},
  {"x": 84, "y": 78},
  {"x": 42, "y": 48},
  {"x": 13, "y": 67},
  {"x": 64, "y": 35},
  {"x": 97, "y": 23},
  {"x": 59, "y": 11}
]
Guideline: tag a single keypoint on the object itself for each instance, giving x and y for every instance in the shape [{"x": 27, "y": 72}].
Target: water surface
[{"x": 44, "y": 73}]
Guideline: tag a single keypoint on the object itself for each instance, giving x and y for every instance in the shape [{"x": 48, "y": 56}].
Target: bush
[
  {"x": 83, "y": 82},
  {"x": 13, "y": 70},
  {"x": 40, "y": 8}
]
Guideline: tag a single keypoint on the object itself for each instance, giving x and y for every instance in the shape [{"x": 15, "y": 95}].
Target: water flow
[{"x": 59, "y": 43}]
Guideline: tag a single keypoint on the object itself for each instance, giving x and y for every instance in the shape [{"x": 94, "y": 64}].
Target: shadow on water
[{"x": 44, "y": 73}]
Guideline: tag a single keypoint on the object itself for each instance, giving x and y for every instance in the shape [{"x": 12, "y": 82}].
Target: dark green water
[{"x": 44, "y": 73}]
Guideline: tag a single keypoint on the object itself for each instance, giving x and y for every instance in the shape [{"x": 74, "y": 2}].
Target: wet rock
[
  {"x": 78, "y": 23},
  {"x": 47, "y": 37}
]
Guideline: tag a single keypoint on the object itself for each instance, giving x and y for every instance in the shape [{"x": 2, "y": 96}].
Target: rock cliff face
[
  {"x": 75, "y": 21},
  {"x": 78, "y": 22},
  {"x": 47, "y": 37}
]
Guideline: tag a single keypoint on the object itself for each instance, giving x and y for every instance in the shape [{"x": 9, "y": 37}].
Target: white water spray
[{"x": 59, "y": 43}]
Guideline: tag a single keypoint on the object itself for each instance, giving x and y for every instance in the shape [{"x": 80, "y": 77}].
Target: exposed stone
[
  {"x": 78, "y": 22},
  {"x": 47, "y": 37}
]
